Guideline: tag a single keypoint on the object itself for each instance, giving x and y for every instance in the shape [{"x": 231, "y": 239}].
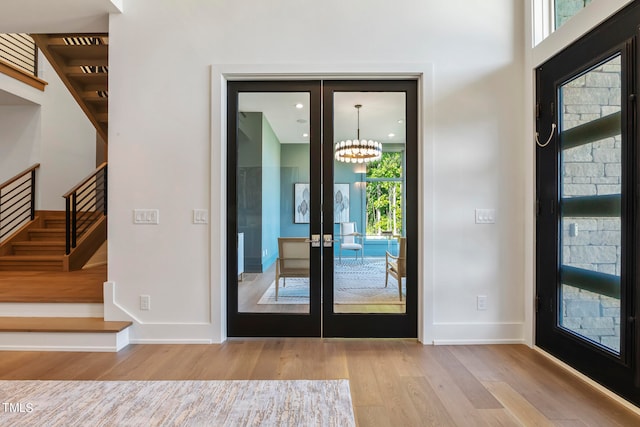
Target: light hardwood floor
[{"x": 393, "y": 382}]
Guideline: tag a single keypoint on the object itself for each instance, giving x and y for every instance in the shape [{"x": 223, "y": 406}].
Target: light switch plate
[
  {"x": 146, "y": 216},
  {"x": 485, "y": 216},
  {"x": 200, "y": 216}
]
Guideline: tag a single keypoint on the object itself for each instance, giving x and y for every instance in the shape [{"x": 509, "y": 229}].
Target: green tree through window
[{"x": 384, "y": 195}]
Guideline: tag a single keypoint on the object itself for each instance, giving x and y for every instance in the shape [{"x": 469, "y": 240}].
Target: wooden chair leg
[{"x": 400, "y": 287}]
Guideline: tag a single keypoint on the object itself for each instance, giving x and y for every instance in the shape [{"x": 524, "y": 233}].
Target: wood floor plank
[
  {"x": 456, "y": 402},
  {"x": 478, "y": 395},
  {"x": 518, "y": 406}
]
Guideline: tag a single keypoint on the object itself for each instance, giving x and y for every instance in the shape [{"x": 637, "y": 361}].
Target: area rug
[
  {"x": 354, "y": 283},
  {"x": 176, "y": 403}
]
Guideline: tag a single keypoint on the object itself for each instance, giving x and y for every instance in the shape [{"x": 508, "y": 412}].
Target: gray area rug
[
  {"x": 176, "y": 403},
  {"x": 355, "y": 282}
]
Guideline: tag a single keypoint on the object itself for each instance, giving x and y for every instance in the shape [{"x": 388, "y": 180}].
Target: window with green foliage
[
  {"x": 565, "y": 9},
  {"x": 384, "y": 192}
]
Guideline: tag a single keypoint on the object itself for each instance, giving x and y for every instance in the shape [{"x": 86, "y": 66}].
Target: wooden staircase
[
  {"x": 30, "y": 320},
  {"x": 82, "y": 62},
  {"x": 40, "y": 245}
]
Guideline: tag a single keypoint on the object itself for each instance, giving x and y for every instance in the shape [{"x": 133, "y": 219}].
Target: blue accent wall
[
  {"x": 270, "y": 194},
  {"x": 294, "y": 164}
]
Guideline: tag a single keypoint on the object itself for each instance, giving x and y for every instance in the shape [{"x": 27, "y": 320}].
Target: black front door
[
  {"x": 587, "y": 227},
  {"x": 322, "y": 241}
]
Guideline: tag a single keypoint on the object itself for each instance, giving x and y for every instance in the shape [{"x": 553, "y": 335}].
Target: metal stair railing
[
  {"x": 85, "y": 204},
  {"x": 17, "y": 201}
]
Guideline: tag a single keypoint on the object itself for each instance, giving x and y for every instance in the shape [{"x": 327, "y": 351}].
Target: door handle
[
  {"x": 315, "y": 240},
  {"x": 328, "y": 240}
]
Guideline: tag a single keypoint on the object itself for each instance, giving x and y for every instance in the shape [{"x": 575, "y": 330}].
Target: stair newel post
[
  {"x": 33, "y": 194},
  {"x": 67, "y": 220}
]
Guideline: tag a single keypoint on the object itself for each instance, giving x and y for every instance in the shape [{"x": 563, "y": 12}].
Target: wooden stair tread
[
  {"x": 61, "y": 324},
  {"x": 80, "y": 52}
]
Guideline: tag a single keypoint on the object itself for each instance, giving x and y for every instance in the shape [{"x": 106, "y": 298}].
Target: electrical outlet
[
  {"x": 145, "y": 302},
  {"x": 482, "y": 302},
  {"x": 146, "y": 216}
]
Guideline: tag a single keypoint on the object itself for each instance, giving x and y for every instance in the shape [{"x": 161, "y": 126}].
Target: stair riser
[
  {"x": 64, "y": 341},
  {"x": 39, "y": 250},
  {"x": 43, "y": 236},
  {"x": 31, "y": 266},
  {"x": 55, "y": 223}
]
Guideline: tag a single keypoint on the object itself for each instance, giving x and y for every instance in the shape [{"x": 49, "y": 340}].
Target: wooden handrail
[
  {"x": 18, "y": 176},
  {"x": 85, "y": 180}
]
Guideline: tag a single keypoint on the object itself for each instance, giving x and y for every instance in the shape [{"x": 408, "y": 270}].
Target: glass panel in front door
[
  {"x": 274, "y": 203},
  {"x": 591, "y": 242},
  {"x": 369, "y": 202}
]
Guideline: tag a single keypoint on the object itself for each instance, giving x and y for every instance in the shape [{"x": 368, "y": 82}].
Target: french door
[
  {"x": 322, "y": 208},
  {"x": 588, "y": 168}
]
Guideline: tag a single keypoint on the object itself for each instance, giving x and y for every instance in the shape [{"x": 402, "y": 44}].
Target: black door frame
[
  {"x": 315, "y": 323},
  {"x": 373, "y": 325},
  {"x": 617, "y": 35},
  {"x": 244, "y": 324}
]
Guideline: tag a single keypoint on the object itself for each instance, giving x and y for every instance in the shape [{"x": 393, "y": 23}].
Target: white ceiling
[
  {"x": 56, "y": 16},
  {"x": 379, "y": 115}
]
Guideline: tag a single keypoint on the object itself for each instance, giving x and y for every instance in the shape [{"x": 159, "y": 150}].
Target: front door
[
  {"x": 322, "y": 208},
  {"x": 587, "y": 229}
]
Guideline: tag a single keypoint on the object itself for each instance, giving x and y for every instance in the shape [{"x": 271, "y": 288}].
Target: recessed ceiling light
[
  {"x": 299, "y": 105},
  {"x": 391, "y": 135},
  {"x": 400, "y": 121},
  {"x": 305, "y": 135}
]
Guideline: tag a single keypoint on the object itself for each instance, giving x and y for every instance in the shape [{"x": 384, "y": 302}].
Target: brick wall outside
[
  {"x": 590, "y": 170},
  {"x": 565, "y": 9}
]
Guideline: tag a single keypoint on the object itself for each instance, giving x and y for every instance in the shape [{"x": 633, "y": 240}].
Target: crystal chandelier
[{"x": 357, "y": 150}]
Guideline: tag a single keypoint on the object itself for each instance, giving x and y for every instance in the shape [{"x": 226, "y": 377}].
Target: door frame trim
[{"x": 222, "y": 73}]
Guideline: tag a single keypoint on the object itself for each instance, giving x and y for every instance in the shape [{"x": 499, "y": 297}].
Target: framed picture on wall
[
  {"x": 340, "y": 203},
  {"x": 302, "y": 203}
]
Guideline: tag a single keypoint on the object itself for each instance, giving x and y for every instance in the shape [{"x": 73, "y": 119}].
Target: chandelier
[{"x": 357, "y": 150}]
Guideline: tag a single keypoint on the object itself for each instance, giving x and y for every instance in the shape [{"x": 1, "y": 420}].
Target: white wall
[
  {"x": 47, "y": 128},
  {"x": 68, "y": 142},
  {"x": 19, "y": 138},
  {"x": 160, "y": 53}
]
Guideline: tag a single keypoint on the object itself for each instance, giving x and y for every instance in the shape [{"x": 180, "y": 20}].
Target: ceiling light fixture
[
  {"x": 299, "y": 106},
  {"x": 358, "y": 151}
]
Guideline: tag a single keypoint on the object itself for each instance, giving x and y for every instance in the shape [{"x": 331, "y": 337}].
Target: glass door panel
[
  {"x": 274, "y": 202},
  {"x": 370, "y": 249},
  {"x": 370, "y": 208},
  {"x": 591, "y": 240}
]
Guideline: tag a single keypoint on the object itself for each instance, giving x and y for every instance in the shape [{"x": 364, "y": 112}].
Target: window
[
  {"x": 385, "y": 195},
  {"x": 565, "y": 9}
]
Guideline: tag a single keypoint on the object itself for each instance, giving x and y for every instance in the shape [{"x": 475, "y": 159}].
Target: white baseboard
[{"x": 478, "y": 333}]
